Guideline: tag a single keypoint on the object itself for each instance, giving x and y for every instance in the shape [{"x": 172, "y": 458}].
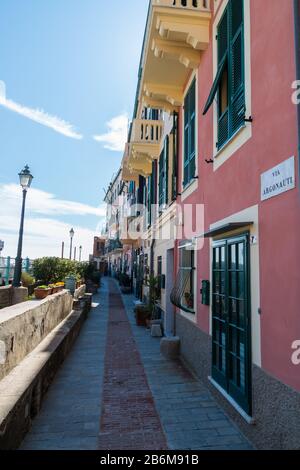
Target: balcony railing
[
  {"x": 147, "y": 132},
  {"x": 113, "y": 245},
  {"x": 178, "y": 30},
  {"x": 195, "y": 4}
]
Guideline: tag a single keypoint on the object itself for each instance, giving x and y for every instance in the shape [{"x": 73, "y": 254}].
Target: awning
[{"x": 226, "y": 228}]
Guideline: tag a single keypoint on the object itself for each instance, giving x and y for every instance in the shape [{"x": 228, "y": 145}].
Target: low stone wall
[
  {"x": 24, "y": 326},
  {"x": 6, "y": 295},
  {"x": 23, "y": 389},
  {"x": 10, "y": 295}
]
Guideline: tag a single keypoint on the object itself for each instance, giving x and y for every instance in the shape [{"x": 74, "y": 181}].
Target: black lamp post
[
  {"x": 80, "y": 251},
  {"x": 25, "y": 182},
  {"x": 71, "y": 241}
]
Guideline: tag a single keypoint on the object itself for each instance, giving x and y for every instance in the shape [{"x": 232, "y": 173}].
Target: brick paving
[
  {"x": 129, "y": 419},
  {"x": 115, "y": 391}
]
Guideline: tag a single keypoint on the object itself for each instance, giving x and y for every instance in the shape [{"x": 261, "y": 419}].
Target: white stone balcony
[
  {"x": 144, "y": 147},
  {"x": 177, "y": 32}
]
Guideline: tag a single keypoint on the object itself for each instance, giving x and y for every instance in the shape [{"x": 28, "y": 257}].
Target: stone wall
[
  {"x": 24, "y": 326},
  {"x": 23, "y": 389},
  {"x": 12, "y": 295},
  {"x": 6, "y": 295},
  {"x": 276, "y": 407}
]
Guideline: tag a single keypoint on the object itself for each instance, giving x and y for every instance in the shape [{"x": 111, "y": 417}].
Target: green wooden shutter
[
  {"x": 223, "y": 37},
  {"x": 175, "y": 156},
  {"x": 186, "y": 140},
  {"x": 190, "y": 134},
  {"x": 166, "y": 172},
  {"x": 223, "y": 49},
  {"x": 161, "y": 179},
  {"x": 149, "y": 198},
  {"x": 237, "y": 81}
]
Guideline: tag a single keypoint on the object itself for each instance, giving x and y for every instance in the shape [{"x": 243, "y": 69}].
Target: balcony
[
  {"x": 128, "y": 174},
  {"x": 113, "y": 245},
  {"x": 143, "y": 148},
  {"x": 177, "y": 32},
  {"x": 145, "y": 144}
]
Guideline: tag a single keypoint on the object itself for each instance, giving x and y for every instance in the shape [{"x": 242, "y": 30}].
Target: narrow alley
[{"x": 115, "y": 391}]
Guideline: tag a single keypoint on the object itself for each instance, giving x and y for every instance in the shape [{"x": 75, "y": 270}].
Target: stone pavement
[
  {"x": 115, "y": 391},
  {"x": 70, "y": 415}
]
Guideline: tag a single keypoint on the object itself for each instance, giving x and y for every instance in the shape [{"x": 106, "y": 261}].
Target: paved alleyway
[{"x": 115, "y": 391}]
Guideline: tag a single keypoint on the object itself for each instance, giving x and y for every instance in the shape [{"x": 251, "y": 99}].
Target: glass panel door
[{"x": 231, "y": 333}]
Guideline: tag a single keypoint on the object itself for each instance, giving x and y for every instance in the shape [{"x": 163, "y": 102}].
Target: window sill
[
  {"x": 189, "y": 189},
  {"x": 189, "y": 316},
  {"x": 232, "y": 145},
  {"x": 230, "y": 140}
]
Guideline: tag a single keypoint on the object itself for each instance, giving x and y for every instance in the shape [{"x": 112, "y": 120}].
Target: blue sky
[{"x": 76, "y": 60}]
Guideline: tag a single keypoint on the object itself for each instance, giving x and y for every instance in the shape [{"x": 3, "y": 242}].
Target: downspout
[{"x": 297, "y": 53}]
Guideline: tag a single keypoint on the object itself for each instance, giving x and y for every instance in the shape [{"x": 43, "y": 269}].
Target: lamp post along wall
[
  {"x": 71, "y": 241},
  {"x": 25, "y": 182}
]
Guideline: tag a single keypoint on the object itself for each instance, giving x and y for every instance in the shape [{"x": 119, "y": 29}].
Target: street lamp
[
  {"x": 25, "y": 182},
  {"x": 71, "y": 241},
  {"x": 1, "y": 248},
  {"x": 80, "y": 251}
]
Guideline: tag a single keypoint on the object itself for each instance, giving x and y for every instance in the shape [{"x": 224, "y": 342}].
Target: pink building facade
[{"x": 230, "y": 291}]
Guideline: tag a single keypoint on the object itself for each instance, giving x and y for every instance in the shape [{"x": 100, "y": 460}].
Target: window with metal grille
[
  {"x": 229, "y": 84},
  {"x": 183, "y": 292}
]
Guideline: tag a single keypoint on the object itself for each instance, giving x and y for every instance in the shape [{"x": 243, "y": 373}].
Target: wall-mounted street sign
[{"x": 278, "y": 180}]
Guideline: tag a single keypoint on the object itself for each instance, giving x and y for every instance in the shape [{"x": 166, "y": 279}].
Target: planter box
[
  {"x": 41, "y": 294},
  {"x": 142, "y": 315}
]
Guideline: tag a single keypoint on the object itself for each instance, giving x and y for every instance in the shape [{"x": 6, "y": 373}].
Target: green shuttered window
[
  {"x": 163, "y": 175},
  {"x": 190, "y": 135},
  {"x": 229, "y": 84}
]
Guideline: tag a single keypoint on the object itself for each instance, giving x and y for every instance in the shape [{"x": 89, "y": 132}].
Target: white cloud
[
  {"x": 41, "y": 202},
  {"x": 43, "y": 235},
  {"x": 39, "y": 116},
  {"x": 116, "y": 137}
]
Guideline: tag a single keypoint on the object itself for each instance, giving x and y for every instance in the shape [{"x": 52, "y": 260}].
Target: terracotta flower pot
[{"x": 41, "y": 294}]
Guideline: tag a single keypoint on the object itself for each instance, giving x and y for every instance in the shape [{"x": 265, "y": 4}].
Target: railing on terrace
[
  {"x": 7, "y": 268},
  {"x": 113, "y": 245},
  {"x": 198, "y": 4},
  {"x": 147, "y": 132}
]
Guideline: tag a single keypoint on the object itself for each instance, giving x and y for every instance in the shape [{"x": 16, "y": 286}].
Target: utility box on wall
[{"x": 205, "y": 293}]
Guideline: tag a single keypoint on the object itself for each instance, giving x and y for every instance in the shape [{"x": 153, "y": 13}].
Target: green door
[{"x": 231, "y": 330}]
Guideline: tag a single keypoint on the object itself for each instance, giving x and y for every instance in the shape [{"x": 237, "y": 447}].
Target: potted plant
[
  {"x": 42, "y": 292},
  {"x": 189, "y": 299},
  {"x": 59, "y": 286},
  {"x": 142, "y": 315},
  {"x": 28, "y": 281},
  {"x": 125, "y": 283}
]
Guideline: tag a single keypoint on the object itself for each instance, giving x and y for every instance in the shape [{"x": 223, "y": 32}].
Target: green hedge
[{"x": 52, "y": 270}]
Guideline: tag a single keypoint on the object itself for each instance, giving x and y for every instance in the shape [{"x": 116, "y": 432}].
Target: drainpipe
[{"x": 297, "y": 53}]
